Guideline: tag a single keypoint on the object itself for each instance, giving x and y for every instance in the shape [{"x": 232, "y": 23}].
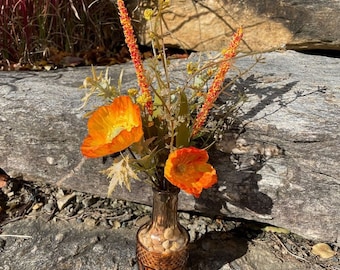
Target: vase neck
[{"x": 164, "y": 211}]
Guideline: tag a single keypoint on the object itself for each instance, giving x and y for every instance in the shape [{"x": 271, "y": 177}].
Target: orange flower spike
[
  {"x": 134, "y": 53},
  {"x": 187, "y": 168},
  {"x": 113, "y": 128},
  {"x": 214, "y": 90}
]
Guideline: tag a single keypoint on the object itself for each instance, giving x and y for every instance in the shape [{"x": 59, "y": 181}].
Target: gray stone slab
[
  {"x": 293, "y": 103},
  {"x": 65, "y": 245}
]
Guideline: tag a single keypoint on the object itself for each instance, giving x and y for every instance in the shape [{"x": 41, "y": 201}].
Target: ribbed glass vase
[{"x": 162, "y": 244}]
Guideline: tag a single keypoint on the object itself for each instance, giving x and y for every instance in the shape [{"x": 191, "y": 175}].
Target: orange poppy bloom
[
  {"x": 113, "y": 128},
  {"x": 187, "y": 168}
]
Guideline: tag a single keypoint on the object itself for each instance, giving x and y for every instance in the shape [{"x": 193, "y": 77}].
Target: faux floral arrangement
[{"x": 157, "y": 128}]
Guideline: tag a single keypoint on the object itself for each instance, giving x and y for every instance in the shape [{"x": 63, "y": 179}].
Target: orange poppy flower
[
  {"x": 187, "y": 168},
  {"x": 113, "y": 128}
]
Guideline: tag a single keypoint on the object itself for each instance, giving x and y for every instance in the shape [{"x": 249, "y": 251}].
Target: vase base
[{"x": 148, "y": 260}]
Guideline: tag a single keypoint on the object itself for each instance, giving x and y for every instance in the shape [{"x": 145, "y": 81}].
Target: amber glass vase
[{"x": 162, "y": 244}]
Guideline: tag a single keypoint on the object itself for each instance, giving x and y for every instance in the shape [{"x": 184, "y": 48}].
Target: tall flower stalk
[
  {"x": 215, "y": 88},
  {"x": 135, "y": 54}
]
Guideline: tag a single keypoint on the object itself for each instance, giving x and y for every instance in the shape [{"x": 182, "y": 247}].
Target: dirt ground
[{"x": 43, "y": 227}]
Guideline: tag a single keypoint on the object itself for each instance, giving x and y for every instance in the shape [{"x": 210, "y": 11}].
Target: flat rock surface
[
  {"x": 65, "y": 245},
  {"x": 293, "y": 105}
]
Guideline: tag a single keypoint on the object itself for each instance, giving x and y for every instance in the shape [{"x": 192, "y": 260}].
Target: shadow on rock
[
  {"x": 237, "y": 188},
  {"x": 216, "y": 249}
]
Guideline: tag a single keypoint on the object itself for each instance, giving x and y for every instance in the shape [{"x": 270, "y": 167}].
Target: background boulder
[{"x": 207, "y": 25}]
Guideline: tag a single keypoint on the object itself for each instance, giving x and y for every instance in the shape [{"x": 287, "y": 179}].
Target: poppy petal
[
  {"x": 113, "y": 128},
  {"x": 187, "y": 168}
]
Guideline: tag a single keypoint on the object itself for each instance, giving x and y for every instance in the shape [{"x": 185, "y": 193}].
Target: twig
[
  {"x": 17, "y": 236},
  {"x": 286, "y": 249},
  {"x": 11, "y": 220}
]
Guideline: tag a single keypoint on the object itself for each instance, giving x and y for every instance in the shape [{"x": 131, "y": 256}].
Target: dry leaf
[
  {"x": 323, "y": 250},
  {"x": 3, "y": 178},
  {"x": 275, "y": 229},
  {"x": 120, "y": 173},
  {"x": 2, "y": 182}
]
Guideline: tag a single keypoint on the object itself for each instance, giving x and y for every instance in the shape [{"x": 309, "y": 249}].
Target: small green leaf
[{"x": 183, "y": 131}]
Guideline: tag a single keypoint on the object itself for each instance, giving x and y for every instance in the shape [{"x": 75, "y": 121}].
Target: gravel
[
  {"x": 26, "y": 199},
  {"x": 78, "y": 226}
]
